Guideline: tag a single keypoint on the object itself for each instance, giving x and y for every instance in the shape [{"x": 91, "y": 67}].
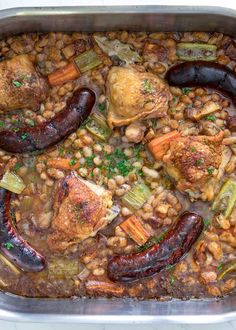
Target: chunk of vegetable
[
  {"x": 117, "y": 48},
  {"x": 188, "y": 51},
  {"x": 226, "y": 199},
  {"x": 97, "y": 126},
  {"x": 63, "y": 163},
  {"x": 137, "y": 196},
  {"x": 135, "y": 229},
  {"x": 63, "y": 267},
  {"x": 159, "y": 146},
  {"x": 87, "y": 60},
  {"x": 208, "y": 108},
  {"x": 229, "y": 267},
  {"x": 12, "y": 182},
  {"x": 61, "y": 76},
  {"x": 82, "y": 63}
]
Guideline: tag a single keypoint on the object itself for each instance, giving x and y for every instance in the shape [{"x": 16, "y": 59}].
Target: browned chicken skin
[
  {"x": 192, "y": 160},
  {"x": 79, "y": 212},
  {"x": 21, "y": 86},
  {"x": 134, "y": 94}
]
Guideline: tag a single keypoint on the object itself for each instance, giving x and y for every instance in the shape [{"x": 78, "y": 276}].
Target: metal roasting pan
[{"x": 133, "y": 18}]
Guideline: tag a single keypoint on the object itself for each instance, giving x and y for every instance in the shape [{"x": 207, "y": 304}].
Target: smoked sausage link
[
  {"x": 12, "y": 244},
  {"x": 205, "y": 74},
  {"x": 176, "y": 244},
  {"x": 52, "y": 131}
]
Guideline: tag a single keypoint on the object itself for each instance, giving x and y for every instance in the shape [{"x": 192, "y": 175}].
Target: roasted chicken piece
[
  {"x": 81, "y": 208},
  {"x": 192, "y": 160},
  {"x": 134, "y": 94},
  {"x": 21, "y": 86}
]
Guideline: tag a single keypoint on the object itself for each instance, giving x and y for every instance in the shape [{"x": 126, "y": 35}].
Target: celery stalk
[
  {"x": 87, "y": 61},
  {"x": 12, "y": 182},
  {"x": 226, "y": 199},
  {"x": 137, "y": 196},
  {"x": 188, "y": 51},
  {"x": 97, "y": 126}
]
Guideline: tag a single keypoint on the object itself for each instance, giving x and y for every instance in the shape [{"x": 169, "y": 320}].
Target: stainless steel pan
[{"x": 137, "y": 18}]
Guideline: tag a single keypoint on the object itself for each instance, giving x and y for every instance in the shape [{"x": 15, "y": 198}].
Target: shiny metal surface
[{"x": 136, "y": 18}]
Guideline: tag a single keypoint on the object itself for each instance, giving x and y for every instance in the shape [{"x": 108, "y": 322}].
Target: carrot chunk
[
  {"x": 159, "y": 146},
  {"x": 135, "y": 229},
  {"x": 68, "y": 72}
]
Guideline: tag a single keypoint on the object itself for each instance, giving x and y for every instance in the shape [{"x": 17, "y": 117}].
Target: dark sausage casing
[
  {"x": 53, "y": 131},
  {"x": 205, "y": 74},
  {"x": 177, "y": 242},
  {"x": 12, "y": 245}
]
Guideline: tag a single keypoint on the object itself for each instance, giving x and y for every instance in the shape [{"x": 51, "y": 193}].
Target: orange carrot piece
[
  {"x": 135, "y": 229},
  {"x": 159, "y": 146},
  {"x": 62, "y": 163},
  {"x": 60, "y": 76}
]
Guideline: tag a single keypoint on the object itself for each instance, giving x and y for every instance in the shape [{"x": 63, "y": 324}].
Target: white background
[{"x": 36, "y": 326}]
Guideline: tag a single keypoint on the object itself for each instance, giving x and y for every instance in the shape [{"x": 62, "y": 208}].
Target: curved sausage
[
  {"x": 12, "y": 245},
  {"x": 178, "y": 241},
  {"x": 206, "y": 74},
  {"x": 52, "y": 131}
]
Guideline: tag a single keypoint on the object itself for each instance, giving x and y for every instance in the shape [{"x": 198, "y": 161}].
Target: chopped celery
[
  {"x": 87, "y": 61},
  {"x": 12, "y": 182},
  {"x": 63, "y": 267},
  {"x": 226, "y": 199},
  {"x": 188, "y": 51},
  {"x": 137, "y": 196},
  {"x": 97, "y": 126},
  {"x": 229, "y": 267}
]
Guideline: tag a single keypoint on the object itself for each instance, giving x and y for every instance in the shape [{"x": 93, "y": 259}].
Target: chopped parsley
[
  {"x": 17, "y": 83},
  {"x": 89, "y": 160},
  {"x": 154, "y": 123},
  {"x": 220, "y": 266},
  {"x": 61, "y": 151},
  {"x": 147, "y": 86},
  {"x": 172, "y": 110},
  {"x": 72, "y": 162},
  {"x": 174, "y": 98},
  {"x": 23, "y": 136},
  {"x": 210, "y": 170},
  {"x": 186, "y": 90},
  {"x": 210, "y": 117},
  {"x": 206, "y": 223},
  {"x": 172, "y": 279},
  {"x": 102, "y": 107},
  {"x": 17, "y": 166},
  {"x": 31, "y": 123},
  {"x": 193, "y": 149},
  {"x": 153, "y": 240},
  {"x": 1, "y": 123},
  {"x": 8, "y": 245},
  {"x": 199, "y": 161}
]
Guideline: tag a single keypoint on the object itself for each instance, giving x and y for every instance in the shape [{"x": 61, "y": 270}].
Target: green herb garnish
[
  {"x": 210, "y": 170},
  {"x": 199, "y": 161},
  {"x": 206, "y": 222},
  {"x": 89, "y": 160},
  {"x": 1, "y": 123},
  {"x": 72, "y": 162},
  {"x": 147, "y": 86},
  {"x": 17, "y": 83},
  {"x": 210, "y": 117},
  {"x": 193, "y": 149},
  {"x": 153, "y": 240},
  {"x": 17, "y": 167},
  {"x": 220, "y": 266},
  {"x": 186, "y": 90},
  {"x": 102, "y": 107},
  {"x": 172, "y": 279},
  {"x": 8, "y": 245},
  {"x": 23, "y": 136},
  {"x": 31, "y": 123}
]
